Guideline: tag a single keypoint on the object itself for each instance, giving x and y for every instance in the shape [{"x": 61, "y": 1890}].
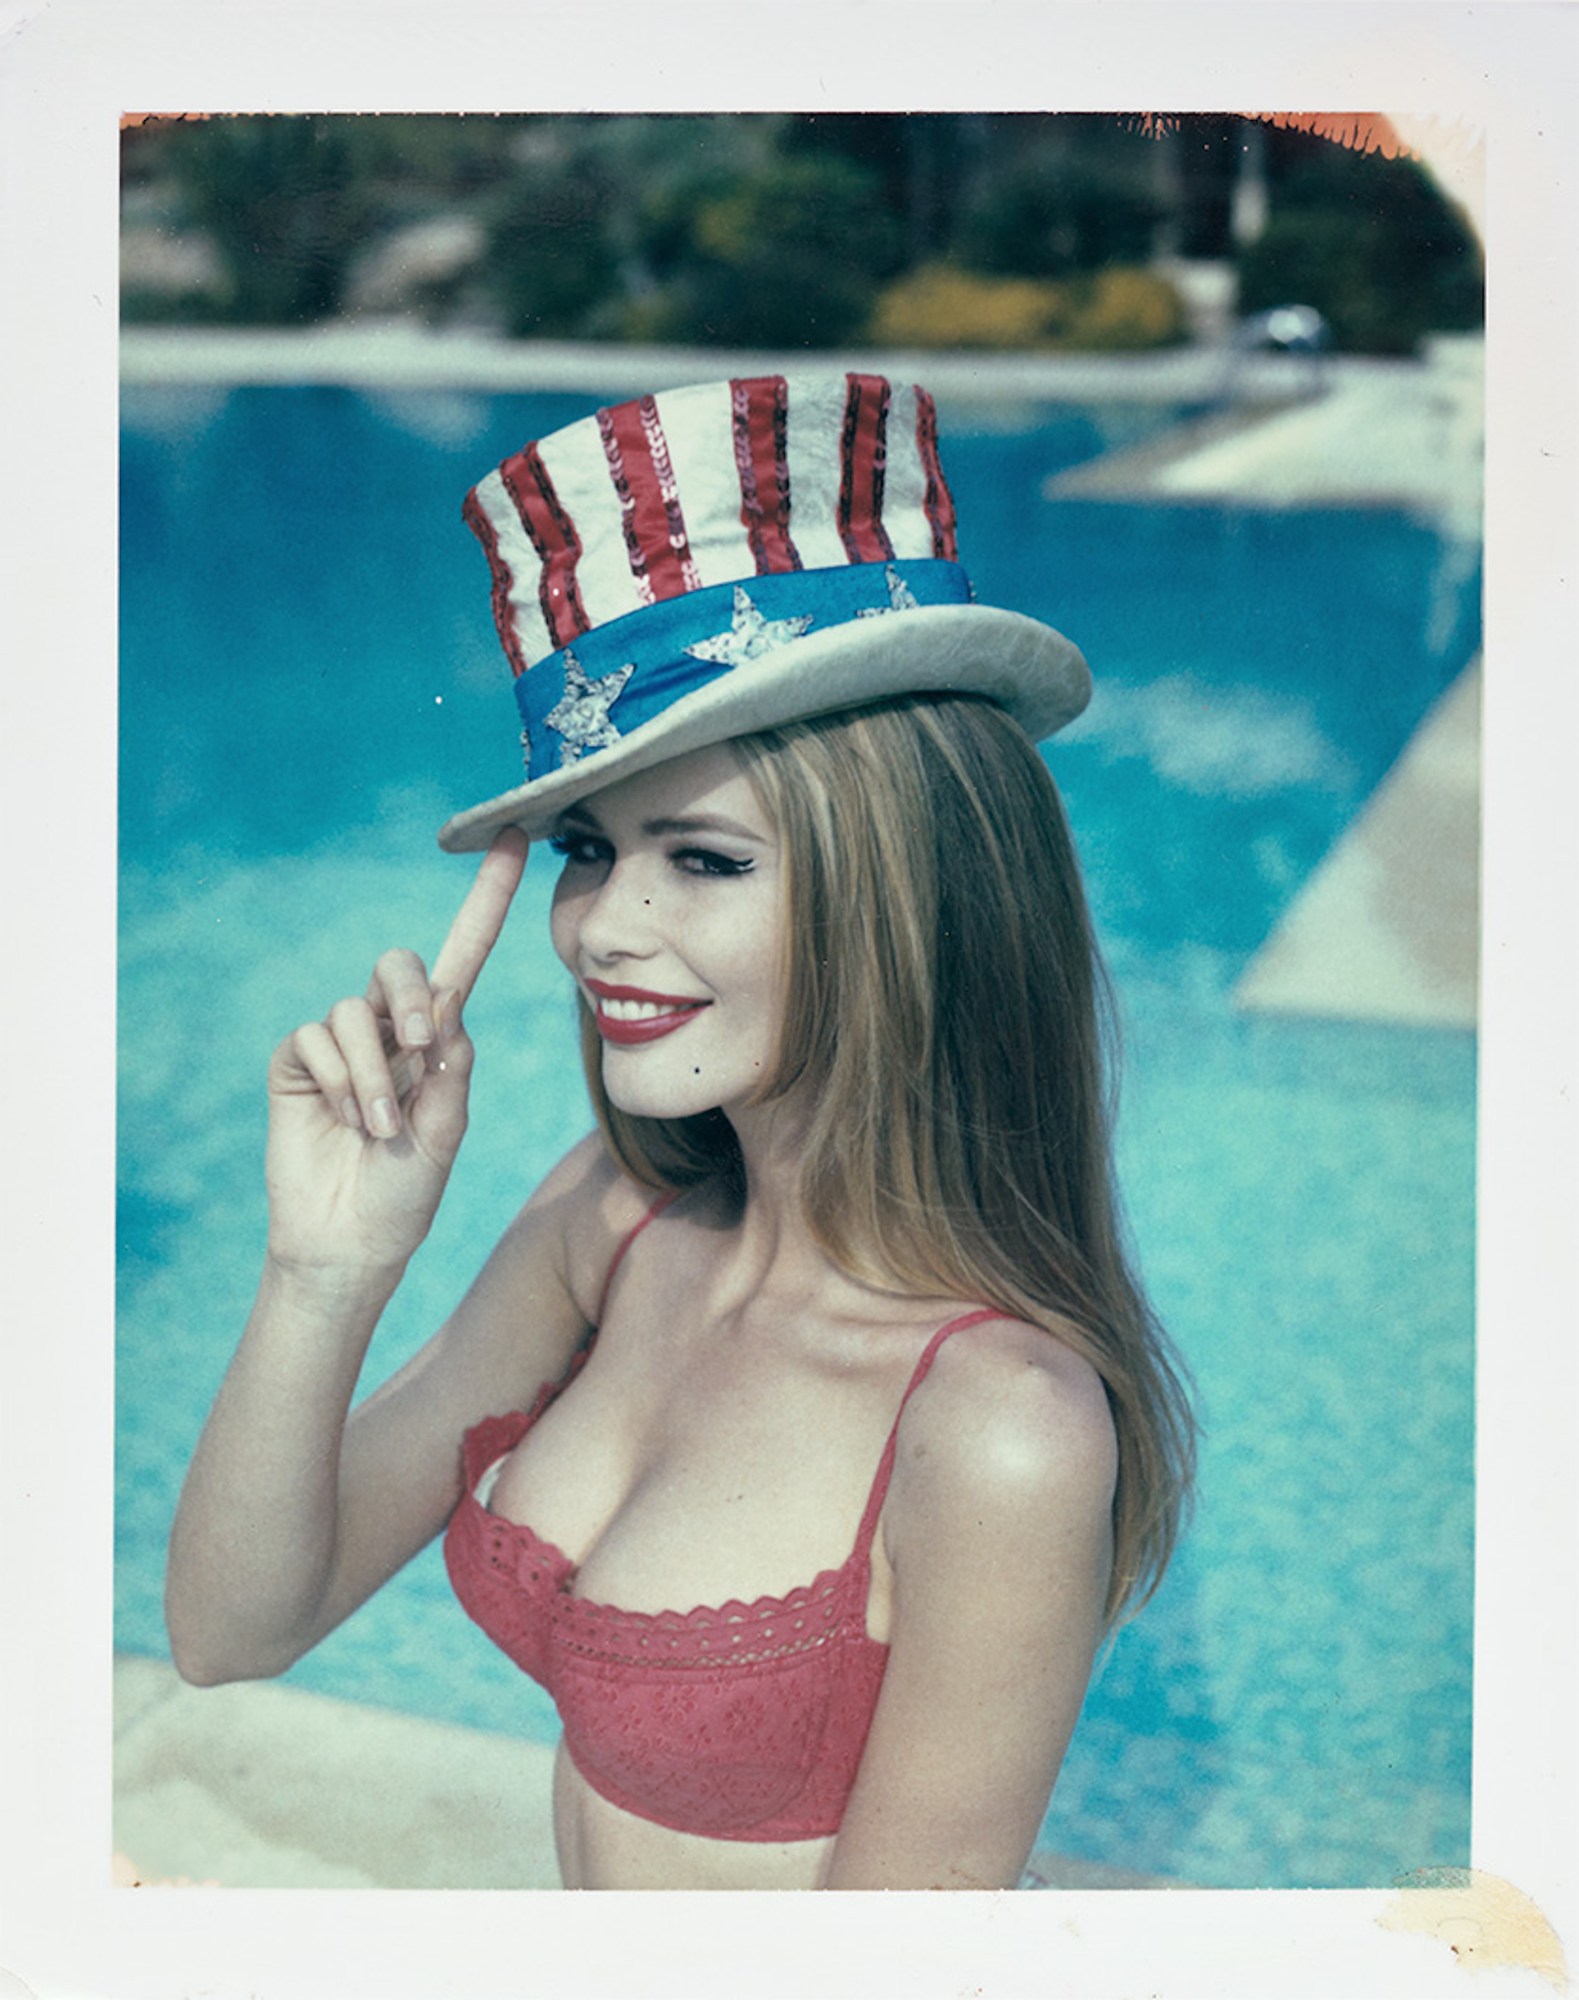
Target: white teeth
[{"x": 640, "y": 1010}]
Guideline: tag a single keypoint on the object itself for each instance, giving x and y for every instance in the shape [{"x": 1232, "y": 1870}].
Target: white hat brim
[{"x": 1032, "y": 671}]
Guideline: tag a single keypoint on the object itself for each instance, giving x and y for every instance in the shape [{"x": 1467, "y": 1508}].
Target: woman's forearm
[
  {"x": 367, "y": 1107},
  {"x": 252, "y": 1553}
]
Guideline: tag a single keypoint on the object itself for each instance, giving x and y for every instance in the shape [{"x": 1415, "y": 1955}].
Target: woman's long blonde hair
[{"x": 944, "y": 1015}]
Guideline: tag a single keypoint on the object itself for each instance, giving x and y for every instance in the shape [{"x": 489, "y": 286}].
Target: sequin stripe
[
  {"x": 939, "y": 501},
  {"x": 759, "y": 408},
  {"x": 863, "y": 452},
  {"x": 669, "y": 494},
  {"x": 657, "y": 570},
  {"x": 473, "y": 514},
  {"x": 613, "y": 453},
  {"x": 553, "y": 534}
]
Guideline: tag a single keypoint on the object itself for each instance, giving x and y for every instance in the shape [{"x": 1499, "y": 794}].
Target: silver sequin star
[
  {"x": 750, "y": 635},
  {"x": 900, "y": 597},
  {"x": 581, "y": 716}
]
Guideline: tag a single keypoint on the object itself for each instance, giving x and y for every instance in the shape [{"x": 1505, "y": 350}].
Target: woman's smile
[
  {"x": 626, "y": 1015},
  {"x": 669, "y": 916}
]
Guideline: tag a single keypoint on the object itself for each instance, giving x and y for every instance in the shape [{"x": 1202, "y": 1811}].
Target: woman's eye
[
  {"x": 707, "y": 861},
  {"x": 580, "y": 848}
]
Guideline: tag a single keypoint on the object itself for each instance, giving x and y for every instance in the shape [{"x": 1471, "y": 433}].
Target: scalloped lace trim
[{"x": 811, "y": 1614}]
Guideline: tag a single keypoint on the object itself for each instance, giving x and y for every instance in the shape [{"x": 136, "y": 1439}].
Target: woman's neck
[
  {"x": 776, "y": 1251},
  {"x": 773, "y": 1250},
  {"x": 771, "y": 1138}
]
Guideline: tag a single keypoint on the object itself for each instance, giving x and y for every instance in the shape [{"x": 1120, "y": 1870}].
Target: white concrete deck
[
  {"x": 1388, "y": 927},
  {"x": 369, "y": 353},
  {"x": 269, "y": 1787},
  {"x": 1399, "y": 434},
  {"x": 1362, "y": 433}
]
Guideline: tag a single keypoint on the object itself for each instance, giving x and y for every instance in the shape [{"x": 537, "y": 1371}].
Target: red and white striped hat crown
[{"x": 707, "y": 562}]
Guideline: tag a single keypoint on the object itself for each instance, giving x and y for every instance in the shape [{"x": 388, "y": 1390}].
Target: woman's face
[{"x": 669, "y": 916}]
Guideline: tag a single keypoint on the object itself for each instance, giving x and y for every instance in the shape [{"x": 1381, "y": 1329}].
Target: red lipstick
[{"x": 629, "y": 1015}]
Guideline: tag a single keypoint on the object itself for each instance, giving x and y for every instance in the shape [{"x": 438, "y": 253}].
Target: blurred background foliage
[
  {"x": 1075, "y": 231},
  {"x": 1372, "y": 244}
]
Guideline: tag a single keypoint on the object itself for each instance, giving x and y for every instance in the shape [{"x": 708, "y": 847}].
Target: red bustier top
[{"x": 737, "y": 1721}]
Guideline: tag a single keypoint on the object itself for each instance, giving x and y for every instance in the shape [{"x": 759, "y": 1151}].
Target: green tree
[
  {"x": 790, "y": 253},
  {"x": 1046, "y": 196},
  {"x": 1372, "y": 244},
  {"x": 551, "y": 259},
  {"x": 287, "y": 202}
]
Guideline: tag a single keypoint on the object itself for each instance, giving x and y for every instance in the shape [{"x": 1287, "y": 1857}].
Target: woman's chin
[{"x": 653, "y": 1096}]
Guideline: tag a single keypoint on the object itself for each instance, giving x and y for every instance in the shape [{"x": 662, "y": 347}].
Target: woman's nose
[{"x": 617, "y": 921}]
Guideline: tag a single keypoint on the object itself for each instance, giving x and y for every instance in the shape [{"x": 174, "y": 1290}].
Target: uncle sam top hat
[{"x": 710, "y": 561}]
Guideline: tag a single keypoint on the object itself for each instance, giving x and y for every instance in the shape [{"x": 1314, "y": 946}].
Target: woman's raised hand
[{"x": 367, "y": 1108}]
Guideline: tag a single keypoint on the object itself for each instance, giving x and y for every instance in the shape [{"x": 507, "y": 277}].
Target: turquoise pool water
[{"x": 310, "y": 683}]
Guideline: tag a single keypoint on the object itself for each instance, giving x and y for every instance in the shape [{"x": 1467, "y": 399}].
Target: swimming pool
[{"x": 309, "y": 685}]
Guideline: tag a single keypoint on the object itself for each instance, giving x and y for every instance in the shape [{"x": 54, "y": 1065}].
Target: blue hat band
[{"x": 619, "y": 676}]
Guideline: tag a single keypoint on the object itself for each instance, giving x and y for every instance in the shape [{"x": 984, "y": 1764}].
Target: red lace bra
[{"x": 737, "y": 1721}]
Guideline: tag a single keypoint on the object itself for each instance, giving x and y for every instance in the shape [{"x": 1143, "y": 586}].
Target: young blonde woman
[{"x": 805, "y": 1431}]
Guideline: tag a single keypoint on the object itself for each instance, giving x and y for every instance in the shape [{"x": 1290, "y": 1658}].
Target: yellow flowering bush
[
  {"x": 1128, "y": 307},
  {"x": 940, "y": 305}
]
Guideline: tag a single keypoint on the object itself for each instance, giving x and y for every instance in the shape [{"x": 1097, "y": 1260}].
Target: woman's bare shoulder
[{"x": 1011, "y": 1421}]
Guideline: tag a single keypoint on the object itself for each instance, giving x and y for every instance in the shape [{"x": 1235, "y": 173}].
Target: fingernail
[
  {"x": 350, "y": 1113},
  {"x": 418, "y": 1030},
  {"x": 382, "y": 1118}
]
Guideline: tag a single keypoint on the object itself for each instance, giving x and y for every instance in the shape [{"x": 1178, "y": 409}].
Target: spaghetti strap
[
  {"x": 885, "y": 1465},
  {"x": 625, "y": 1243}
]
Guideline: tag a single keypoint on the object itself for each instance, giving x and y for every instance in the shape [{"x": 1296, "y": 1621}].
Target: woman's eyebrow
[
  {"x": 577, "y": 816},
  {"x": 702, "y": 823}
]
